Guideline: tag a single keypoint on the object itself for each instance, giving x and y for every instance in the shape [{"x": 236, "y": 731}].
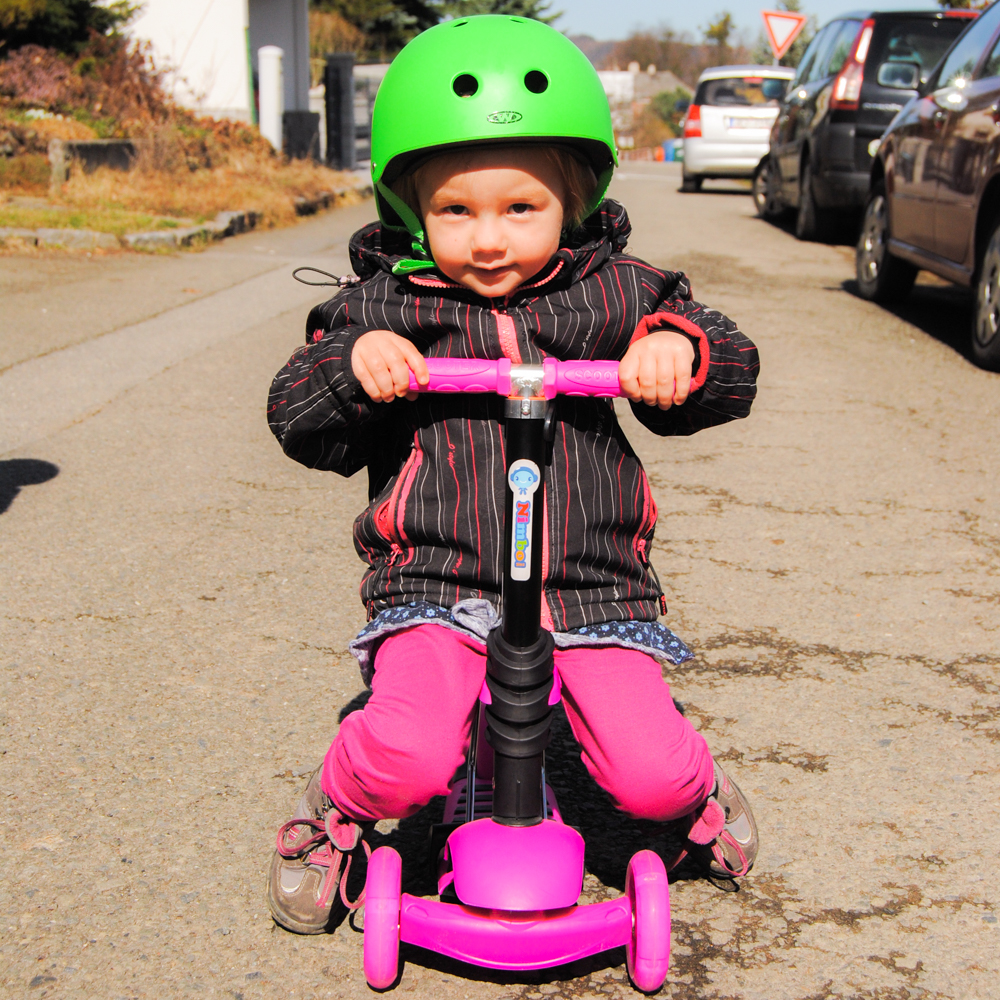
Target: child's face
[{"x": 493, "y": 217}]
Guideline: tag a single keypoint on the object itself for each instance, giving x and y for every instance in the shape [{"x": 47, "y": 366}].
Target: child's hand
[
  {"x": 656, "y": 370},
  {"x": 382, "y": 362}
]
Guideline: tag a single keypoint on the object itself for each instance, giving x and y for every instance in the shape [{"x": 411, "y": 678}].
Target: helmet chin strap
[{"x": 421, "y": 259}]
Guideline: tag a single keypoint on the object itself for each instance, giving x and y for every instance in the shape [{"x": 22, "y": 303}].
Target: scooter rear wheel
[
  {"x": 383, "y": 890},
  {"x": 648, "y": 951}
]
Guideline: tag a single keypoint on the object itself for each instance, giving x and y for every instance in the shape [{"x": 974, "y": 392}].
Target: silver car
[{"x": 728, "y": 125}]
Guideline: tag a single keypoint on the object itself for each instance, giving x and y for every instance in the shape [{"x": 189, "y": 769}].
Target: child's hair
[{"x": 577, "y": 178}]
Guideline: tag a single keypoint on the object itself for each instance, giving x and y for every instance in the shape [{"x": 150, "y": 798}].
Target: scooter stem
[{"x": 519, "y": 665}]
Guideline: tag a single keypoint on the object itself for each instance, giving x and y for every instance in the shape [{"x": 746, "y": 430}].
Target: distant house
[{"x": 209, "y": 48}]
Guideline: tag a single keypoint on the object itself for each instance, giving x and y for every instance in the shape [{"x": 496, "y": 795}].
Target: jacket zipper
[{"x": 507, "y": 333}]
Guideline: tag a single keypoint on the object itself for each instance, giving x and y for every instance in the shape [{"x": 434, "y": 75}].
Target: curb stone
[
  {"x": 223, "y": 225},
  {"x": 360, "y": 184},
  {"x": 82, "y": 239}
]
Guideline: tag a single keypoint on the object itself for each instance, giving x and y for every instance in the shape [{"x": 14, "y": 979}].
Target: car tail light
[
  {"x": 847, "y": 86},
  {"x": 692, "y": 124}
]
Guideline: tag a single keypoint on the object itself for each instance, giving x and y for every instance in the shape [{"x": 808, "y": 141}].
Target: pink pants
[{"x": 404, "y": 747}]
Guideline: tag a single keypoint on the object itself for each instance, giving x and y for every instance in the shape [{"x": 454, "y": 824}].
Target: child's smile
[{"x": 493, "y": 217}]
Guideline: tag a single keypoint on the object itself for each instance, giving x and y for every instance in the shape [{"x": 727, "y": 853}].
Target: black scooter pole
[{"x": 519, "y": 665}]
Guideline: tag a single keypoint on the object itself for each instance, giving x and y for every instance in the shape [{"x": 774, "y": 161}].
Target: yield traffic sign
[{"x": 782, "y": 28}]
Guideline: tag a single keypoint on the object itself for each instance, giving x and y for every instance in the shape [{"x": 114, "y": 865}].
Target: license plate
[{"x": 745, "y": 123}]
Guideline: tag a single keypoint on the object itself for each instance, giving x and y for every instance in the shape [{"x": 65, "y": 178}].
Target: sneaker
[
  {"x": 723, "y": 834},
  {"x": 310, "y": 866}
]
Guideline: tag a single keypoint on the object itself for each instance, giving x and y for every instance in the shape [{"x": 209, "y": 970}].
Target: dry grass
[
  {"x": 269, "y": 187},
  {"x": 103, "y": 220},
  {"x": 26, "y": 174}
]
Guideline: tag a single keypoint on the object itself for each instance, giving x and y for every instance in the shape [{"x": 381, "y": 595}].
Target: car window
[
  {"x": 840, "y": 49},
  {"x": 922, "y": 41},
  {"x": 992, "y": 65},
  {"x": 809, "y": 56},
  {"x": 818, "y": 69},
  {"x": 740, "y": 91},
  {"x": 961, "y": 61}
]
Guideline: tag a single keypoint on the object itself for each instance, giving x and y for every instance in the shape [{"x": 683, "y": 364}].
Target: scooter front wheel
[
  {"x": 383, "y": 890},
  {"x": 648, "y": 950}
]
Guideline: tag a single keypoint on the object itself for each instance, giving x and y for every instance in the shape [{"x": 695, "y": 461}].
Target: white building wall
[{"x": 203, "y": 45}]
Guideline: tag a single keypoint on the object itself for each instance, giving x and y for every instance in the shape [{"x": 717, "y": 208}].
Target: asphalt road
[{"x": 177, "y": 598}]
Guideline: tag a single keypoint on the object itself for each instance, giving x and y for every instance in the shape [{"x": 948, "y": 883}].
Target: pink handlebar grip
[
  {"x": 465, "y": 375},
  {"x": 565, "y": 378},
  {"x": 581, "y": 378}
]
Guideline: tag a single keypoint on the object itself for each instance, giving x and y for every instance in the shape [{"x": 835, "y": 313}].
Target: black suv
[{"x": 856, "y": 74}]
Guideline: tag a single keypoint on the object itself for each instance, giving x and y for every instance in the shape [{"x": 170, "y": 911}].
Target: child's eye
[
  {"x": 520, "y": 208},
  {"x": 455, "y": 210}
]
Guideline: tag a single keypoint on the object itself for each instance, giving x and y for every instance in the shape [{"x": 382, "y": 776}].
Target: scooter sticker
[{"x": 524, "y": 479}]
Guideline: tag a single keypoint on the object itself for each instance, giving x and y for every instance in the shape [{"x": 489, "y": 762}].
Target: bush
[
  {"x": 64, "y": 25},
  {"x": 28, "y": 172},
  {"x": 665, "y": 107}
]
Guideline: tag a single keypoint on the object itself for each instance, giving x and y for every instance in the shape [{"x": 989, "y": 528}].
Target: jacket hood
[{"x": 606, "y": 231}]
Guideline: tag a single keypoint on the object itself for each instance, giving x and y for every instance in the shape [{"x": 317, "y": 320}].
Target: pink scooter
[{"x": 517, "y": 872}]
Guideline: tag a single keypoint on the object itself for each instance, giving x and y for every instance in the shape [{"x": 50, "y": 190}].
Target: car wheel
[
  {"x": 766, "y": 190},
  {"x": 986, "y": 315},
  {"x": 881, "y": 277},
  {"x": 691, "y": 183},
  {"x": 810, "y": 223}
]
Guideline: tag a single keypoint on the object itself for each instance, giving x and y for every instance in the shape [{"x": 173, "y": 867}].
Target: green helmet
[{"x": 490, "y": 78}]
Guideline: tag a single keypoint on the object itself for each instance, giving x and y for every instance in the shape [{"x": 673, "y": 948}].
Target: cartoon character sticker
[{"x": 524, "y": 479}]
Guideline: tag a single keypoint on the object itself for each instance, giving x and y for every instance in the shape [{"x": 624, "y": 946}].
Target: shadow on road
[
  {"x": 841, "y": 231},
  {"x": 723, "y": 187},
  {"x": 18, "y": 472},
  {"x": 943, "y": 312}
]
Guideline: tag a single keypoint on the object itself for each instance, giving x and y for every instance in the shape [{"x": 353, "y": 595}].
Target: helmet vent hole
[
  {"x": 536, "y": 81},
  {"x": 458, "y": 24},
  {"x": 465, "y": 85}
]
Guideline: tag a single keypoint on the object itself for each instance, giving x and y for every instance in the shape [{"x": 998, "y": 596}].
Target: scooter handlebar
[{"x": 566, "y": 378}]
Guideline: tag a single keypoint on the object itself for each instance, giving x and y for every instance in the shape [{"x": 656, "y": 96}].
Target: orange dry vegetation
[{"x": 264, "y": 184}]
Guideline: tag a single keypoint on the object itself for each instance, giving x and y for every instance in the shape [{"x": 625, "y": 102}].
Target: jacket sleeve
[
  {"x": 724, "y": 376},
  {"x": 317, "y": 409}
]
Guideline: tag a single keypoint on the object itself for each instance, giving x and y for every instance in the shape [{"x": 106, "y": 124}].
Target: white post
[{"x": 272, "y": 93}]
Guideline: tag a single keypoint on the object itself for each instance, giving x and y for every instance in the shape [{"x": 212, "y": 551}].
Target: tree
[
  {"x": 64, "y": 25},
  {"x": 378, "y": 29},
  {"x": 718, "y": 33},
  {"x": 387, "y": 25},
  {"x": 964, "y": 4}
]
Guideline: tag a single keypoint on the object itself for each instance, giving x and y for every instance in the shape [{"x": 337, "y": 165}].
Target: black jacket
[{"x": 433, "y": 529}]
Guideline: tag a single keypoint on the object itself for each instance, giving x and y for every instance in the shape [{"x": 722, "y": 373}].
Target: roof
[
  {"x": 865, "y": 13},
  {"x": 721, "y": 72}
]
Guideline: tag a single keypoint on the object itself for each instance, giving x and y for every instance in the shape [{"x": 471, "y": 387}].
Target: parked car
[
  {"x": 727, "y": 125},
  {"x": 848, "y": 87},
  {"x": 934, "y": 196}
]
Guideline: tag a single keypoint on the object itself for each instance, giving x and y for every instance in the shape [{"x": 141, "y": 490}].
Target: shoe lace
[
  {"x": 720, "y": 855},
  {"x": 317, "y": 849}
]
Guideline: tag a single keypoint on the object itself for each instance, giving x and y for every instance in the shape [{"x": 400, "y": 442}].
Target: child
[{"x": 492, "y": 149}]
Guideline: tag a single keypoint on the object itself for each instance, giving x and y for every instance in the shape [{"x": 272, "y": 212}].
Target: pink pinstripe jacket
[{"x": 432, "y": 530}]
